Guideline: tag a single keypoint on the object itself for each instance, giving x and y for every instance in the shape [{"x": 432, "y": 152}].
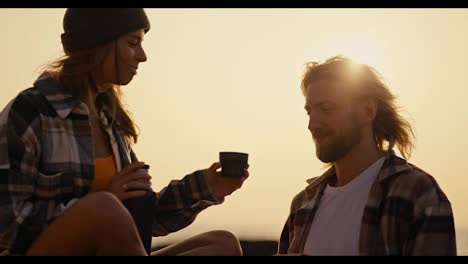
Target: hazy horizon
[{"x": 229, "y": 80}]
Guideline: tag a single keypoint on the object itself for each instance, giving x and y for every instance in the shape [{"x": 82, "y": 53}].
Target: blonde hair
[
  {"x": 390, "y": 129},
  {"x": 74, "y": 71}
]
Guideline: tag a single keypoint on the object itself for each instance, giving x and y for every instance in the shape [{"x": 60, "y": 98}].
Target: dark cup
[{"x": 233, "y": 164}]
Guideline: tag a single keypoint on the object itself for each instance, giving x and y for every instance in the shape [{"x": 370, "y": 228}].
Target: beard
[{"x": 340, "y": 145}]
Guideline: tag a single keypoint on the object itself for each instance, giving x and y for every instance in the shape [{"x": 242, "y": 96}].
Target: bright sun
[{"x": 359, "y": 46}]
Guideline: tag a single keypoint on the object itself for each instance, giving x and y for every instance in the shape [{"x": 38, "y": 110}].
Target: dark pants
[{"x": 142, "y": 209}]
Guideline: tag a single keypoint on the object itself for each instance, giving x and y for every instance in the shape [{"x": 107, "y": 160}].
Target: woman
[{"x": 67, "y": 168}]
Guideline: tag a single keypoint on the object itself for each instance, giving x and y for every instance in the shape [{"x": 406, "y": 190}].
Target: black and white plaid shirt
[
  {"x": 47, "y": 159},
  {"x": 406, "y": 214}
]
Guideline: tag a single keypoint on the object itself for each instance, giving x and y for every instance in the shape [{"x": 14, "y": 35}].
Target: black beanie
[{"x": 86, "y": 28}]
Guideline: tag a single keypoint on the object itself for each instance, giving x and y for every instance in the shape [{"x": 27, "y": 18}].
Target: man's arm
[{"x": 434, "y": 228}]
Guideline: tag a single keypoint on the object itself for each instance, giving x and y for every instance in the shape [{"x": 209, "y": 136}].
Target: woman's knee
[
  {"x": 113, "y": 220},
  {"x": 93, "y": 220},
  {"x": 108, "y": 211},
  {"x": 227, "y": 240}
]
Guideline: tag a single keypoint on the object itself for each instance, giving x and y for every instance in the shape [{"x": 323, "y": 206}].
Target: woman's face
[{"x": 121, "y": 63}]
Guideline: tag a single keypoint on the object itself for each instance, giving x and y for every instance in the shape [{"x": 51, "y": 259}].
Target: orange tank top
[{"x": 104, "y": 170}]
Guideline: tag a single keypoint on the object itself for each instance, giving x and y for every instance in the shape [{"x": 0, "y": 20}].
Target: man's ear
[{"x": 368, "y": 110}]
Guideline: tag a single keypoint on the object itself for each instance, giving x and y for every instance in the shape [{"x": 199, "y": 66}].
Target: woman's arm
[
  {"x": 22, "y": 216},
  {"x": 177, "y": 205}
]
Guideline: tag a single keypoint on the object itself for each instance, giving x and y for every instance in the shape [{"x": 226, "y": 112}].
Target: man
[{"x": 370, "y": 201}]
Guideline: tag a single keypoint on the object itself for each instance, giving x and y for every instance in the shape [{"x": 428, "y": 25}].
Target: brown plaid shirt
[
  {"x": 47, "y": 159},
  {"x": 406, "y": 214}
]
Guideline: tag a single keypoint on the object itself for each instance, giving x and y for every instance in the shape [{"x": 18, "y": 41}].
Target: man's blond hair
[{"x": 389, "y": 127}]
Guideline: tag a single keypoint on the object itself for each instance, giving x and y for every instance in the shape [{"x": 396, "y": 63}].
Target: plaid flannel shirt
[
  {"x": 47, "y": 159},
  {"x": 406, "y": 214}
]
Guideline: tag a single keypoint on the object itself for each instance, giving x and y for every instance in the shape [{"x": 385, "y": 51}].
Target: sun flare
[{"x": 361, "y": 47}]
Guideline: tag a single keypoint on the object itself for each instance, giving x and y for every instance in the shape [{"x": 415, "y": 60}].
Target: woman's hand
[
  {"x": 223, "y": 186},
  {"x": 131, "y": 182}
]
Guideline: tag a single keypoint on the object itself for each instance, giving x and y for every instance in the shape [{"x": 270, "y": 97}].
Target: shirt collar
[{"x": 391, "y": 166}]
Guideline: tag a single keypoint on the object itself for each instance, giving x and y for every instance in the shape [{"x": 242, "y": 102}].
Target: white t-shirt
[{"x": 337, "y": 223}]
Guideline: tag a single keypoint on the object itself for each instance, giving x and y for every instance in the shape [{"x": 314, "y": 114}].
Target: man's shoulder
[
  {"x": 303, "y": 197},
  {"x": 299, "y": 199},
  {"x": 414, "y": 175},
  {"x": 413, "y": 183}
]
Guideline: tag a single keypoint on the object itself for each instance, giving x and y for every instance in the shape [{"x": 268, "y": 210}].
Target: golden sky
[{"x": 229, "y": 79}]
